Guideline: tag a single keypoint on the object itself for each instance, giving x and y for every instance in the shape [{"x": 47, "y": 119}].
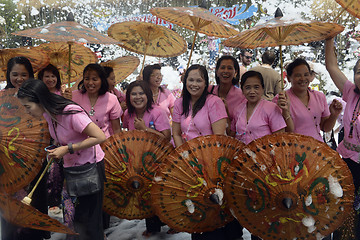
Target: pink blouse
[
  {"x": 69, "y": 130},
  {"x": 233, "y": 98},
  {"x": 307, "y": 119},
  {"x": 265, "y": 119},
  {"x": 120, "y": 95},
  {"x": 156, "y": 115},
  {"x": 165, "y": 100},
  {"x": 200, "y": 125},
  {"x": 351, "y": 98},
  {"x": 107, "y": 108}
]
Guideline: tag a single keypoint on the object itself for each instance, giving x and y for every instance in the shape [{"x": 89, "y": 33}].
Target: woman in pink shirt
[
  {"x": 161, "y": 95},
  {"x": 197, "y": 113},
  {"x": 227, "y": 80},
  {"x": 103, "y": 107},
  {"x": 306, "y": 111},
  {"x": 79, "y": 140},
  {"x": 349, "y": 148},
  {"x": 51, "y": 77},
  {"x": 255, "y": 117},
  {"x": 110, "y": 76}
]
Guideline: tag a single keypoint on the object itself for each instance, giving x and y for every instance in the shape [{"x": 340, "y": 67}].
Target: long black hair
[
  {"x": 187, "y": 96},
  {"x": 51, "y": 68},
  {"x": 11, "y": 63},
  {"x": 102, "y": 75},
  {"x": 235, "y": 80},
  {"x": 147, "y": 90},
  {"x": 36, "y": 91}
]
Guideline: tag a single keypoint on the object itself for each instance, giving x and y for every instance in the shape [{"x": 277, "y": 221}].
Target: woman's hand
[
  {"x": 139, "y": 124},
  {"x": 335, "y": 107},
  {"x": 58, "y": 152},
  {"x": 67, "y": 93},
  {"x": 283, "y": 102}
]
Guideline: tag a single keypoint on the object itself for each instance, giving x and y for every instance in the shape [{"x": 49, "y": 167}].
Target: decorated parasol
[
  {"x": 196, "y": 19},
  {"x": 187, "y": 194},
  {"x": 282, "y": 31},
  {"x": 131, "y": 160},
  {"x": 351, "y": 6},
  {"x": 23, "y": 139},
  {"x": 58, "y": 53},
  {"x": 148, "y": 39},
  {"x": 122, "y": 66},
  {"x": 289, "y": 186},
  {"x": 67, "y": 31},
  {"x": 38, "y": 59},
  {"x": 26, "y": 216}
]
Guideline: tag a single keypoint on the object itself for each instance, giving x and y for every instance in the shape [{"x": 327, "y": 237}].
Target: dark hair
[
  {"x": 101, "y": 72},
  {"x": 242, "y": 53},
  {"x": 356, "y": 90},
  {"x": 147, "y": 71},
  {"x": 235, "y": 80},
  {"x": 11, "y": 63},
  {"x": 147, "y": 90},
  {"x": 249, "y": 74},
  {"x": 186, "y": 95},
  {"x": 108, "y": 71},
  {"x": 51, "y": 68},
  {"x": 294, "y": 64},
  {"x": 36, "y": 91},
  {"x": 124, "y": 85},
  {"x": 268, "y": 57}
]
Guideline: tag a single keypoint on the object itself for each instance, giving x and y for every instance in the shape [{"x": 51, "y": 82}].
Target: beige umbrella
[
  {"x": 123, "y": 67},
  {"x": 148, "y": 39},
  {"x": 196, "y": 19}
]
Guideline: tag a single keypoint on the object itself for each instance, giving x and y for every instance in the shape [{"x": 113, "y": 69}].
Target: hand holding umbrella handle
[{"x": 27, "y": 200}]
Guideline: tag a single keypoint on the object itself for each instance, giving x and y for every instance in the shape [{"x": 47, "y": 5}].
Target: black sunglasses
[{"x": 248, "y": 57}]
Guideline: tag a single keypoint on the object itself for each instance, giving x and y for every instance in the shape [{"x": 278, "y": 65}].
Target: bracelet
[
  {"x": 288, "y": 117},
  {"x": 70, "y": 148}
]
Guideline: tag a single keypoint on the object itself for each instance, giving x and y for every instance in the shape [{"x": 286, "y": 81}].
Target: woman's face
[
  {"x": 111, "y": 81},
  {"x": 92, "y": 82},
  {"x": 226, "y": 71},
  {"x": 300, "y": 78},
  {"x": 253, "y": 90},
  {"x": 138, "y": 98},
  {"x": 155, "y": 78},
  {"x": 34, "y": 109},
  {"x": 50, "y": 80},
  {"x": 195, "y": 83},
  {"x": 18, "y": 75}
]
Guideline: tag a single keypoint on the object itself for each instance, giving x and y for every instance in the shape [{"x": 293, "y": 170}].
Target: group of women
[{"x": 232, "y": 107}]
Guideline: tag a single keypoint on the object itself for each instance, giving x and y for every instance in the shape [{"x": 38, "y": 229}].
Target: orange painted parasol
[
  {"x": 23, "y": 139},
  {"x": 351, "y": 6},
  {"x": 289, "y": 186},
  {"x": 131, "y": 160},
  {"x": 58, "y": 53},
  {"x": 23, "y": 215},
  {"x": 282, "y": 31},
  {"x": 38, "y": 59},
  {"x": 148, "y": 39},
  {"x": 187, "y": 194},
  {"x": 196, "y": 19},
  {"x": 67, "y": 31},
  {"x": 123, "y": 66}
]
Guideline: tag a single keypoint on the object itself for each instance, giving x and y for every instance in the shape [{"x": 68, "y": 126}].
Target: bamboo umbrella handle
[
  {"x": 143, "y": 63},
  {"x": 192, "y": 48},
  {"x": 69, "y": 65},
  {"x": 281, "y": 69},
  {"x": 27, "y": 199}
]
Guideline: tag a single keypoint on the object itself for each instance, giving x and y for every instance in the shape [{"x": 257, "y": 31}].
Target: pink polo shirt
[
  {"x": 165, "y": 100},
  {"x": 307, "y": 119},
  {"x": 69, "y": 130},
  {"x": 156, "y": 115},
  {"x": 107, "y": 108},
  {"x": 233, "y": 98},
  {"x": 351, "y": 98},
  {"x": 265, "y": 119},
  {"x": 58, "y": 92},
  {"x": 200, "y": 125},
  {"x": 120, "y": 95}
]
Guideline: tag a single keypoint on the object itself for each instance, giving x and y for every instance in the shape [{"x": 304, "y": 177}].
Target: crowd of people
[{"x": 245, "y": 103}]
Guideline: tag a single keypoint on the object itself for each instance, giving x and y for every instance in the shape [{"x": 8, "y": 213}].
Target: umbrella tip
[
  {"x": 70, "y": 17},
  {"x": 135, "y": 184},
  {"x": 278, "y": 13},
  {"x": 287, "y": 202},
  {"x": 215, "y": 198}
]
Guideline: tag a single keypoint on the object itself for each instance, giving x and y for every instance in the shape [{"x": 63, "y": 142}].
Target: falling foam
[
  {"x": 44, "y": 31},
  {"x": 62, "y": 29},
  {"x": 335, "y": 187},
  {"x": 309, "y": 222},
  {"x": 185, "y": 154},
  {"x": 251, "y": 154},
  {"x": 157, "y": 179},
  {"x": 220, "y": 194},
  {"x": 189, "y": 204},
  {"x": 82, "y": 40},
  {"x": 308, "y": 200}
]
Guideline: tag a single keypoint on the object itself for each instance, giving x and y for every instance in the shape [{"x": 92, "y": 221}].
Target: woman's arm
[
  {"x": 176, "y": 131},
  {"x": 327, "y": 123},
  {"x": 95, "y": 136},
  {"x": 219, "y": 127},
  {"x": 139, "y": 124},
  {"x": 115, "y": 125},
  {"x": 284, "y": 103},
  {"x": 332, "y": 66}
]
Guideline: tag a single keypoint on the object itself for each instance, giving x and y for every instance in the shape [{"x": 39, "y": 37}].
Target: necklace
[
  {"x": 92, "y": 111},
  {"x": 353, "y": 118}
]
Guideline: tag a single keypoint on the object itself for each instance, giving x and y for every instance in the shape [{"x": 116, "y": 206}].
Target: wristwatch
[{"x": 70, "y": 148}]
